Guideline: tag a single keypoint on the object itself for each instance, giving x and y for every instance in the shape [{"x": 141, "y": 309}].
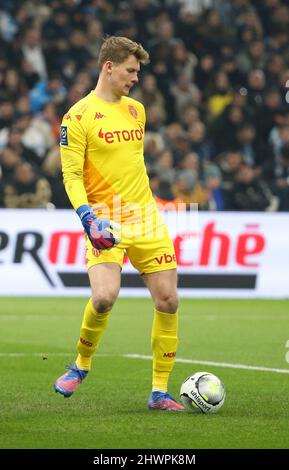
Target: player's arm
[{"x": 72, "y": 150}]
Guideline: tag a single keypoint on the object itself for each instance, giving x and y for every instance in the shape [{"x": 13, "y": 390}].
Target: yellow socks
[
  {"x": 164, "y": 342},
  {"x": 92, "y": 329},
  {"x": 164, "y": 347}
]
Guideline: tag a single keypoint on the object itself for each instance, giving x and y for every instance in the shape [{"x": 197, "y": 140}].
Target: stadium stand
[{"x": 215, "y": 92}]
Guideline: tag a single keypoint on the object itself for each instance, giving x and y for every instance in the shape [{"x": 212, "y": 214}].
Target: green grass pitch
[{"x": 109, "y": 409}]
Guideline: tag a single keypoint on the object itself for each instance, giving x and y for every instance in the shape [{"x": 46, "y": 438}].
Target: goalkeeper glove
[{"x": 98, "y": 230}]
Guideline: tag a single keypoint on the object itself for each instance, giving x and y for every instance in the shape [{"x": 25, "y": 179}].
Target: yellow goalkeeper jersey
[{"x": 102, "y": 157}]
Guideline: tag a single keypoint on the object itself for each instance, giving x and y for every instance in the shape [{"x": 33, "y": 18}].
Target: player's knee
[
  {"x": 103, "y": 302},
  {"x": 167, "y": 302}
]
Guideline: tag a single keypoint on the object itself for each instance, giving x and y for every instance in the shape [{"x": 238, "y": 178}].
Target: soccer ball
[{"x": 202, "y": 392}]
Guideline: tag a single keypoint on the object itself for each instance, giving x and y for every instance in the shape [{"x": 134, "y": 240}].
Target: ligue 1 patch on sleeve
[{"x": 63, "y": 135}]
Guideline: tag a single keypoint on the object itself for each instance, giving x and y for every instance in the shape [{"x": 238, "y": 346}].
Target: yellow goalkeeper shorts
[{"x": 148, "y": 251}]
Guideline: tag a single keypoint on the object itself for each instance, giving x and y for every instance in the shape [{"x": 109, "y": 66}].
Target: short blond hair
[{"x": 119, "y": 48}]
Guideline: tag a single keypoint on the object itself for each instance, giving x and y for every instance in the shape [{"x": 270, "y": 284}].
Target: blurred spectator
[
  {"x": 213, "y": 182},
  {"x": 229, "y": 66},
  {"x": 171, "y": 132},
  {"x": 240, "y": 99},
  {"x": 163, "y": 194},
  {"x": 9, "y": 158},
  {"x": 79, "y": 48},
  {"x": 279, "y": 136},
  {"x": 254, "y": 57},
  {"x": 154, "y": 182},
  {"x": 22, "y": 106},
  {"x": 278, "y": 40},
  {"x": 254, "y": 153},
  {"x": 14, "y": 140},
  {"x": 13, "y": 85},
  {"x": 212, "y": 31},
  {"x": 8, "y": 25},
  {"x": 247, "y": 18},
  {"x": 32, "y": 137},
  {"x": 184, "y": 93},
  {"x": 265, "y": 115},
  {"x": 229, "y": 163},
  {"x": 256, "y": 84},
  {"x": 164, "y": 167},
  {"x": 57, "y": 26},
  {"x": 188, "y": 189},
  {"x": 199, "y": 142},
  {"x": 26, "y": 190},
  {"x": 153, "y": 145},
  {"x": 29, "y": 75},
  {"x": 220, "y": 94},
  {"x": 191, "y": 161},
  {"x": 165, "y": 199},
  {"x": 6, "y": 114},
  {"x": 266, "y": 11},
  {"x": 155, "y": 118},
  {"x": 33, "y": 52},
  {"x": 94, "y": 36},
  {"x": 282, "y": 178},
  {"x": 37, "y": 134},
  {"x": 250, "y": 193},
  {"x": 46, "y": 91},
  {"x": 50, "y": 116},
  {"x": 274, "y": 67},
  {"x": 196, "y": 8},
  {"x": 183, "y": 61},
  {"x": 52, "y": 170},
  {"x": 204, "y": 70},
  {"x": 223, "y": 129},
  {"x": 190, "y": 115},
  {"x": 149, "y": 94},
  {"x": 180, "y": 146}
]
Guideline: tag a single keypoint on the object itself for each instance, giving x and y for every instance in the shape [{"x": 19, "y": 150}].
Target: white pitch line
[
  {"x": 217, "y": 364},
  {"x": 149, "y": 358}
]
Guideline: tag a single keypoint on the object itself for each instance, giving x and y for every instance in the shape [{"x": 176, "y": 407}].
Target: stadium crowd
[{"x": 217, "y": 130}]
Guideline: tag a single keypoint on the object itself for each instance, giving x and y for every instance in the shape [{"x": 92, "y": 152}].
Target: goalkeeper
[{"x": 105, "y": 178}]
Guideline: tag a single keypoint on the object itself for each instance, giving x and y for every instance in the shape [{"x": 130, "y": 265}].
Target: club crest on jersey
[
  {"x": 63, "y": 135},
  {"x": 133, "y": 111}
]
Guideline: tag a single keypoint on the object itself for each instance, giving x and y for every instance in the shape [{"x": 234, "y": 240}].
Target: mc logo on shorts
[{"x": 165, "y": 258}]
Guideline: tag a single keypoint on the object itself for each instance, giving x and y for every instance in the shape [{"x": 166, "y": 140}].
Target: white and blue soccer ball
[{"x": 202, "y": 392}]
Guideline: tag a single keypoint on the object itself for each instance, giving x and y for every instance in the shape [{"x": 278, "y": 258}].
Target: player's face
[{"x": 124, "y": 76}]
